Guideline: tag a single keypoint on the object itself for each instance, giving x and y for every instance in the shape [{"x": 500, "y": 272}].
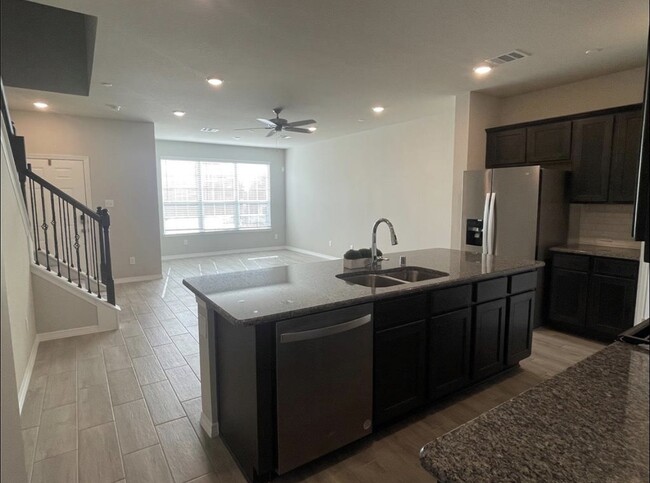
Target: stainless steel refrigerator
[
  {"x": 515, "y": 212},
  {"x": 518, "y": 213}
]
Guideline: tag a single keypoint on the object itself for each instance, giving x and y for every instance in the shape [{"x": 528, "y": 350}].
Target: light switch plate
[{"x": 109, "y": 203}]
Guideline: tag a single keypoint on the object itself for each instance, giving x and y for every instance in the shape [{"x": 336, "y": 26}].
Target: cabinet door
[
  {"x": 400, "y": 370},
  {"x": 505, "y": 148},
  {"x": 568, "y": 299},
  {"x": 548, "y": 142},
  {"x": 611, "y": 304},
  {"x": 625, "y": 158},
  {"x": 488, "y": 340},
  {"x": 521, "y": 318},
  {"x": 449, "y": 352},
  {"x": 591, "y": 154}
]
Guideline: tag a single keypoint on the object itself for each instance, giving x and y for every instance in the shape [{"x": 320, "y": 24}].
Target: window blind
[{"x": 202, "y": 196}]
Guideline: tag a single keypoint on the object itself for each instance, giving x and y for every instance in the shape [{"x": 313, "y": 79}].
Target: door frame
[{"x": 85, "y": 160}]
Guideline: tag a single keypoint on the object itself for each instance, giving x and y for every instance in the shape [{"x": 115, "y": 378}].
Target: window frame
[{"x": 200, "y": 202}]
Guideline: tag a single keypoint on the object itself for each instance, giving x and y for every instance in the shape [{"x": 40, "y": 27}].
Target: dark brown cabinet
[
  {"x": 548, "y": 142},
  {"x": 593, "y": 296},
  {"x": 489, "y": 335},
  {"x": 625, "y": 157},
  {"x": 400, "y": 370},
  {"x": 591, "y": 154},
  {"x": 568, "y": 296},
  {"x": 519, "y": 337},
  {"x": 506, "y": 148},
  {"x": 449, "y": 352}
]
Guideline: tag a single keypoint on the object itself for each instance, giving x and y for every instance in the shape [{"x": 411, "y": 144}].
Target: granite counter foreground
[
  {"x": 589, "y": 423},
  {"x": 267, "y": 295}
]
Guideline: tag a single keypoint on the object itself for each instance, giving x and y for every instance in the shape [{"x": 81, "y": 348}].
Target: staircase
[{"x": 72, "y": 279}]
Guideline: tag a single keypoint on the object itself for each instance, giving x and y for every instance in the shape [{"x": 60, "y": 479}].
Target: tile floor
[{"x": 125, "y": 405}]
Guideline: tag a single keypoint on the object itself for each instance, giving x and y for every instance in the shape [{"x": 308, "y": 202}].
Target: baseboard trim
[
  {"x": 142, "y": 278},
  {"x": 27, "y": 377},
  {"x": 314, "y": 254},
  {"x": 62, "y": 334},
  {"x": 221, "y": 252},
  {"x": 210, "y": 428}
]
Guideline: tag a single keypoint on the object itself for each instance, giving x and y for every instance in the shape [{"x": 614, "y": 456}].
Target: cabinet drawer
[
  {"x": 491, "y": 289},
  {"x": 579, "y": 263},
  {"x": 394, "y": 312},
  {"x": 616, "y": 268},
  {"x": 450, "y": 299},
  {"x": 523, "y": 282}
]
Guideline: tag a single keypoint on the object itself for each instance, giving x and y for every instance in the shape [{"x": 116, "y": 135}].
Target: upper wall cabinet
[
  {"x": 506, "y": 148},
  {"x": 601, "y": 148}
]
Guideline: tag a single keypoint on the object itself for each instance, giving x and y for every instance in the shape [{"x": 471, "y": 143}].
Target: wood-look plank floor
[{"x": 125, "y": 406}]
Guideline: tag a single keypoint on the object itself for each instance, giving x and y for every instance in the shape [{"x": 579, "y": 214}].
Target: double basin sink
[{"x": 391, "y": 276}]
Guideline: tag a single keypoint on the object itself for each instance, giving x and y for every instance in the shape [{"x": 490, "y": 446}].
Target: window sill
[{"x": 216, "y": 232}]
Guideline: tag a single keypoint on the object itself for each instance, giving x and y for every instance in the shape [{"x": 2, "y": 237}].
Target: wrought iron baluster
[
  {"x": 85, "y": 232},
  {"x": 76, "y": 245},
  {"x": 61, "y": 229},
  {"x": 32, "y": 202},
  {"x": 66, "y": 223},
  {"x": 44, "y": 226},
  {"x": 56, "y": 238}
]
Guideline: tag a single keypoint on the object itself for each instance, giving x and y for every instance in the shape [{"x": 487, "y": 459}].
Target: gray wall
[
  {"x": 213, "y": 242},
  {"x": 122, "y": 168},
  {"x": 336, "y": 189}
]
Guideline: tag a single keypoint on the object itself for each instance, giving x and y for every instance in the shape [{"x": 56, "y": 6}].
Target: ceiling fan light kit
[{"x": 278, "y": 124}]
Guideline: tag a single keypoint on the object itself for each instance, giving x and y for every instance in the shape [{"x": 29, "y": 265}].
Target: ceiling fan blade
[
  {"x": 271, "y": 133},
  {"x": 251, "y": 128},
  {"x": 297, "y": 129},
  {"x": 301, "y": 123},
  {"x": 267, "y": 122}
]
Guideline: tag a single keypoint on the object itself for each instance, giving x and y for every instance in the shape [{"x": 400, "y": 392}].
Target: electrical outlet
[
  {"x": 109, "y": 203},
  {"x": 275, "y": 236},
  {"x": 185, "y": 242},
  {"x": 132, "y": 260},
  {"x": 352, "y": 247},
  {"x": 329, "y": 243}
]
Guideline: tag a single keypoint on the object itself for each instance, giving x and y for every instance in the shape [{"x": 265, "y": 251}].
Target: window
[{"x": 200, "y": 196}]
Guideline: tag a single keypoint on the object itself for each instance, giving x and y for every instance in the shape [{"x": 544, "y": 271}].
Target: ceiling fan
[{"x": 278, "y": 124}]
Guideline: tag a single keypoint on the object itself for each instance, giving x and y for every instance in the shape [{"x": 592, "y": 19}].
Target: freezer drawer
[{"x": 324, "y": 383}]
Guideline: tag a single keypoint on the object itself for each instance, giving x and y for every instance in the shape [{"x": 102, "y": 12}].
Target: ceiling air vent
[
  {"x": 508, "y": 57},
  {"x": 209, "y": 129}
]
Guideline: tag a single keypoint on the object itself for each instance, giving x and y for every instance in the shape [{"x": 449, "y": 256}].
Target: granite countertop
[
  {"x": 271, "y": 294},
  {"x": 589, "y": 423},
  {"x": 600, "y": 251}
]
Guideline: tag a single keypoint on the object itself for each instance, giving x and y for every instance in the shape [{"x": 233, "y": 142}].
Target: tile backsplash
[{"x": 598, "y": 224}]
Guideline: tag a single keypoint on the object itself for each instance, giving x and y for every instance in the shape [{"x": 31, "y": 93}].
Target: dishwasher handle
[{"x": 324, "y": 331}]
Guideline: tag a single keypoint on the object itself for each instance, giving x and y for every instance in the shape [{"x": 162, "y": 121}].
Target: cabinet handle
[{"x": 324, "y": 331}]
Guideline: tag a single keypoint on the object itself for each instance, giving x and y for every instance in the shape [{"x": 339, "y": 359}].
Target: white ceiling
[{"x": 332, "y": 60}]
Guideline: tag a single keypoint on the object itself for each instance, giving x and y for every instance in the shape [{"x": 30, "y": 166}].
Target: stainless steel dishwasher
[{"x": 324, "y": 383}]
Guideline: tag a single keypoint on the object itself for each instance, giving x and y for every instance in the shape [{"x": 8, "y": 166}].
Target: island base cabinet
[
  {"x": 521, "y": 316},
  {"x": 449, "y": 352},
  {"x": 400, "y": 370},
  {"x": 489, "y": 335}
]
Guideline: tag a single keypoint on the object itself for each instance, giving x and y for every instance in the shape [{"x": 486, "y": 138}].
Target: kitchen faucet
[{"x": 393, "y": 240}]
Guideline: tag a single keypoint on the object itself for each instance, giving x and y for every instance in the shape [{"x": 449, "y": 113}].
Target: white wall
[
  {"x": 336, "y": 189},
  {"x": 122, "y": 168},
  {"x": 16, "y": 260},
  {"x": 213, "y": 242},
  {"x": 612, "y": 90}
]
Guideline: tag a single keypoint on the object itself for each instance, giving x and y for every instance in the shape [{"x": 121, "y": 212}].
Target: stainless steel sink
[
  {"x": 392, "y": 276},
  {"x": 370, "y": 279},
  {"x": 412, "y": 274}
]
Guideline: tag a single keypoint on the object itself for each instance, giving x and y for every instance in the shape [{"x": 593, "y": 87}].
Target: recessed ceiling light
[
  {"x": 593, "y": 51},
  {"x": 360, "y": 120},
  {"x": 179, "y": 113},
  {"x": 377, "y": 109},
  {"x": 40, "y": 105},
  {"x": 107, "y": 84},
  {"x": 114, "y": 107},
  {"x": 312, "y": 129},
  {"x": 209, "y": 129},
  {"x": 236, "y": 137},
  {"x": 286, "y": 137},
  {"x": 213, "y": 81},
  {"x": 482, "y": 69}
]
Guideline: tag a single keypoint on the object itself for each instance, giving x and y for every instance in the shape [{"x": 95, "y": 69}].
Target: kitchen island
[
  {"x": 297, "y": 361},
  {"x": 589, "y": 423}
]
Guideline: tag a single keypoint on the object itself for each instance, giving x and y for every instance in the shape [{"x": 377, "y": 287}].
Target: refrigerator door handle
[
  {"x": 490, "y": 224},
  {"x": 486, "y": 213}
]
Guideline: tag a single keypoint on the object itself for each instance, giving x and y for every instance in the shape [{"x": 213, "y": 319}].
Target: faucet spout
[{"x": 373, "y": 249}]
